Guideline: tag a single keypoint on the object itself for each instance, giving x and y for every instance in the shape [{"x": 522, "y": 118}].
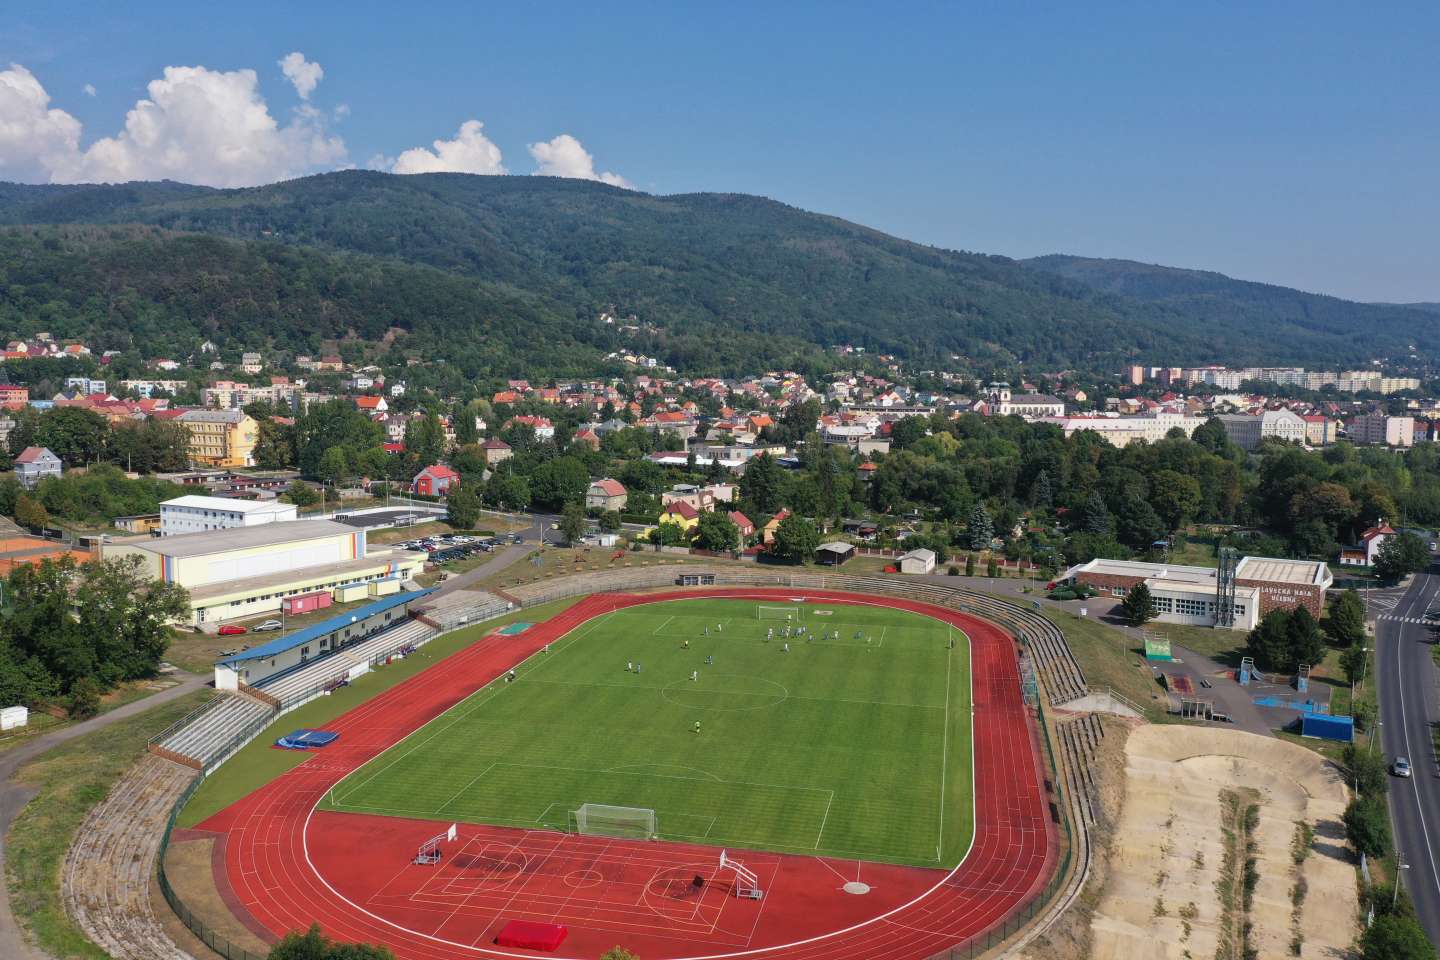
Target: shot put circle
[{"x": 725, "y": 691}]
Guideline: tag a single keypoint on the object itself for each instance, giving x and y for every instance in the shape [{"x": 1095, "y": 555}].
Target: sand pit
[{"x": 1184, "y": 785}]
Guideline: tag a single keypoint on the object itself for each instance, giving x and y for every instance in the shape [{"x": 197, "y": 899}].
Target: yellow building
[
  {"x": 247, "y": 571},
  {"x": 681, "y": 514},
  {"x": 221, "y": 438}
]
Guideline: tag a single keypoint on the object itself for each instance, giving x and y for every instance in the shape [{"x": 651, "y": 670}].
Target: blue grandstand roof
[{"x": 325, "y": 627}]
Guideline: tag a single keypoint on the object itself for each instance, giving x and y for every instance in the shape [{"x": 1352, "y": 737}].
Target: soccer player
[
  {"x": 787, "y": 648},
  {"x": 629, "y": 666},
  {"x": 687, "y": 643},
  {"x": 694, "y": 675},
  {"x": 697, "y": 726},
  {"x": 637, "y": 667},
  {"x": 719, "y": 628},
  {"x": 709, "y": 661}
]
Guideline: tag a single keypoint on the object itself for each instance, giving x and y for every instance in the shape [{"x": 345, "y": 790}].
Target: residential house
[
  {"x": 744, "y": 524},
  {"x": 607, "y": 494},
  {"x": 435, "y": 481},
  {"x": 682, "y": 515},
  {"x": 767, "y": 532},
  {"x": 1364, "y": 553},
  {"x": 495, "y": 450},
  {"x": 252, "y": 362},
  {"x": 34, "y": 464}
]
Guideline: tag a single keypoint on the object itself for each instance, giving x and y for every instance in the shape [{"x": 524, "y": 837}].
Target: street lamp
[{"x": 1395, "y": 898}]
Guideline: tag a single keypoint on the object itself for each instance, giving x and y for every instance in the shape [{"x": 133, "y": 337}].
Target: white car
[
  {"x": 268, "y": 625},
  {"x": 1400, "y": 767}
]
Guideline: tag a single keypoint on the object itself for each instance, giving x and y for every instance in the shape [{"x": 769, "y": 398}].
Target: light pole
[{"x": 1395, "y": 897}]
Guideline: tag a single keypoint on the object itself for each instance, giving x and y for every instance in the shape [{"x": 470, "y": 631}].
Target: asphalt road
[
  {"x": 1406, "y": 678},
  {"x": 14, "y": 796}
]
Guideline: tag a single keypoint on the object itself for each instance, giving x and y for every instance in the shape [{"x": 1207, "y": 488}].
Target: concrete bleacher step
[{"x": 105, "y": 880}]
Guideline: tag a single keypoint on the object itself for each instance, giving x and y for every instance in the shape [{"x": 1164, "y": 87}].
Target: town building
[
  {"x": 1319, "y": 430},
  {"x": 1363, "y": 554},
  {"x": 221, "y": 438},
  {"x": 1247, "y": 430},
  {"x": 193, "y": 514},
  {"x": 1382, "y": 429},
  {"x": 247, "y": 571},
  {"x": 34, "y": 464},
  {"x": 284, "y": 653},
  {"x": 918, "y": 561},
  {"x": 435, "y": 480},
  {"x": 1122, "y": 431},
  {"x": 495, "y": 451},
  {"x": 1191, "y": 595},
  {"x": 606, "y": 494}
]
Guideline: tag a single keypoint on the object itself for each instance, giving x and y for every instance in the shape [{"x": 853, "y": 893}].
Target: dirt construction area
[{"x": 1227, "y": 843}]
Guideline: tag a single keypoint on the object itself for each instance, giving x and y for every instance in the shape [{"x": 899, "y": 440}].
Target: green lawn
[
  {"x": 853, "y": 744},
  {"x": 258, "y": 762}
]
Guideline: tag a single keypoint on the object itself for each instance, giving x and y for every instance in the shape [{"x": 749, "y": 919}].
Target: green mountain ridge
[{"x": 722, "y": 282}]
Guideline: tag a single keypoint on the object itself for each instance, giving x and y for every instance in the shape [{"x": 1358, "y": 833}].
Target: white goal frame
[
  {"x": 605, "y": 820},
  {"x": 787, "y": 614}
]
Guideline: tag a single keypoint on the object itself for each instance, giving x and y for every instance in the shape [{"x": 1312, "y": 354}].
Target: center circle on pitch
[
  {"x": 725, "y": 691},
  {"x": 580, "y": 879}
]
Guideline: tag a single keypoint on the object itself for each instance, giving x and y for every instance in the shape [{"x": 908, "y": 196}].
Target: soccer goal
[
  {"x": 777, "y": 613},
  {"x": 602, "y": 820}
]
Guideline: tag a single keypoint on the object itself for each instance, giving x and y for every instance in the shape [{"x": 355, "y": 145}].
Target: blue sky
[{"x": 1295, "y": 143}]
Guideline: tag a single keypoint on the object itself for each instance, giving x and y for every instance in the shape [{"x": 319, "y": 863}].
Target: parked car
[
  {"x": 1400, "y": 767},
  {"x": 1222, "y": 718},
  {"x": 268, "y": 625},
  {"x": 232, "y": 630}
]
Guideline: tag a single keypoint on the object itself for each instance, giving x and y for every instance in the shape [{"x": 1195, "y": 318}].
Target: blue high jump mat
[{"x": 307, "y": 740}]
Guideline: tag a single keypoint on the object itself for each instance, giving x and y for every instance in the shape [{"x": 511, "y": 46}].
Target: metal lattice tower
[{"x": 1225, "y": 587}]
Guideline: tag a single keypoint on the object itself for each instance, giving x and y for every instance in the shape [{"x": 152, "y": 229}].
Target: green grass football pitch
[{"x": 855, "y": 743}]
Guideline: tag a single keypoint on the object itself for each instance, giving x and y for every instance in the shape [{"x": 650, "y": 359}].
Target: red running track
[{"x": 288, "y": 865}]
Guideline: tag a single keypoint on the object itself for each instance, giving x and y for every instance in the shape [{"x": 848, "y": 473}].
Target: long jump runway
[{"x": 287, "y": 864}]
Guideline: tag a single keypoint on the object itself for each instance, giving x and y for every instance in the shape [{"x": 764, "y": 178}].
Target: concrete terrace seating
[
  {"x": 476, "y": 606},
  {"x": 1063, "y": 679},
  {"x": 1078, "y": 740},
  {"x": 294, "y": 687},
  {"x": 105, "y": 883},
  {"x": 210, "y": 733}
]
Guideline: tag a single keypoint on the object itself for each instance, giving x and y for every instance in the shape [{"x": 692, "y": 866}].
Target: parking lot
[{"x": 451, "y": 547}]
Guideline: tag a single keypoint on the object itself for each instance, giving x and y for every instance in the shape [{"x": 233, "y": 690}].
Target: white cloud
[
  {"x": 205, "y": 126},
  {"x": 470, "y": 152},
  {"x": 33, "y": 135},
  {"x": 304, "y": 75},
  {"x": 564, "y": 156},
  {"x": 89, "y": 89}
]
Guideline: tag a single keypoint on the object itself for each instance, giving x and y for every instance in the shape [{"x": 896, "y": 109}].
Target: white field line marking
[
  {"x": 882, "y": 918},
  {"x": 825, "y": 819},
  {"x": 663, "y": 624},
  {"x": 454, "y": 715},
  {"x": 945, "y": 757},
  {"x": 467, "y": 786}
]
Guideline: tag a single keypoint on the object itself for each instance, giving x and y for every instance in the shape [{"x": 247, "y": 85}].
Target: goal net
[
  {"x": 602, "y": 820},
  {"x": 777, "y": 613}
]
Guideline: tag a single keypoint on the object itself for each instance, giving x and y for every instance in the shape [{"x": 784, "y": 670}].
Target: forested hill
[
  {"x": 1283, "y": 313},
  {"x": 728, "y": 281}
]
